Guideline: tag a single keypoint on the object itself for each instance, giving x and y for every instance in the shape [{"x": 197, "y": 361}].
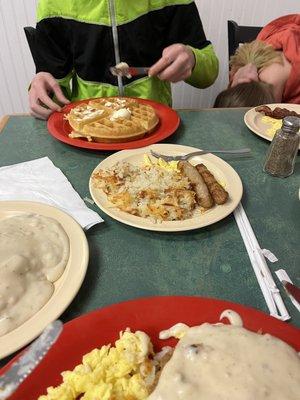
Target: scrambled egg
[
  {"x": 123, "y": 372},
  {"x": 274, "y": 124},
  {"x": 169, "y": 166}
]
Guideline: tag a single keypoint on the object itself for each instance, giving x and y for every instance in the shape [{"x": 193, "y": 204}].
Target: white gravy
[
  {"x": 34, "y": 251},
  {"x": 233, "y": 317},
  {"x": 225, "y": 362}
]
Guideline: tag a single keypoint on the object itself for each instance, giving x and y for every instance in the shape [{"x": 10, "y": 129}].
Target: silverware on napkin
[
  {"x": 197, "y": 153},
  {"x": 20, "y": 369}
]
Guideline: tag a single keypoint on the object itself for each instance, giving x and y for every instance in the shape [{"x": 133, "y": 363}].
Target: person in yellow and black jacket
[{"x": 77, "y": 41}]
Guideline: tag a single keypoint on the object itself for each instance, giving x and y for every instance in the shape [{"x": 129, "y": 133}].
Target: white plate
[
  {"x": 253, "y": 119},
  {"x": 66, "y": 287},
  {"x": 222, "y": 171}
]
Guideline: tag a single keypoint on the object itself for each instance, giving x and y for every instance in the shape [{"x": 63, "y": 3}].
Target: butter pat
[{"x": 121, "y": 113}]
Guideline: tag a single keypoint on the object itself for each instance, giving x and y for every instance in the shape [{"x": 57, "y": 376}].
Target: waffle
[
  {"x": 82, "y": 115},
  {"x": 118, "y": 120}
]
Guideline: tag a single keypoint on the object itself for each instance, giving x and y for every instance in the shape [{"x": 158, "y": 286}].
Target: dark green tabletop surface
[{"x": 127, "y": 263}]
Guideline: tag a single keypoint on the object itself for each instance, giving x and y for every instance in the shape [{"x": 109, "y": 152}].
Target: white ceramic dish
[
  {"x": 66, "y": 287},
  {"x": 222, "y": 171},
  {"x": 253, "y": 119}
]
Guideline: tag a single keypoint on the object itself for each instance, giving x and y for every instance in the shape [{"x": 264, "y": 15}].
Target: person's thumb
[
  {"x": 59, "y": 94},
  {"x": 52, "y": 83}
]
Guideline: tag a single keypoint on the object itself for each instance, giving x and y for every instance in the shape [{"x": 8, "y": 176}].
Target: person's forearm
[{"x": 206, "y": 67}]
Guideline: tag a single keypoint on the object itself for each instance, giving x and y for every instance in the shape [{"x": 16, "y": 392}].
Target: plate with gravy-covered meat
[
  {"x": 139, "y": 190},
  {"x": 171, "y": 348},
  {"x": 266, "y": 119}
]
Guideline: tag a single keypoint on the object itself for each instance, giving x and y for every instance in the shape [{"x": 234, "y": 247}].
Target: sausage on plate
[
  {"x": 218, "y": 193},
  {"x": 203, "y": 196}
]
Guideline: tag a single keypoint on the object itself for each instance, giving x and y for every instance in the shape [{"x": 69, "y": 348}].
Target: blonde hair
[{"x": 258, "y": 53}]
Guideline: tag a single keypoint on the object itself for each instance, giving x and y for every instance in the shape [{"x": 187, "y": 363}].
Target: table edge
[{"x": 3, "y": 121}]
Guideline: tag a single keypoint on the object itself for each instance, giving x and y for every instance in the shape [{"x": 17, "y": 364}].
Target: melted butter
[
  {"x": 225, "y": 362},
  {"x": 85, "y": 113},
  {"x": 34, "y": 251}
]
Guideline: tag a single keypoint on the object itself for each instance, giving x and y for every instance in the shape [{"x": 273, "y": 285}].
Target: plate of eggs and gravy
[
  {"x": 43, "y": 261},
  {"x": 170, "y": 347}
]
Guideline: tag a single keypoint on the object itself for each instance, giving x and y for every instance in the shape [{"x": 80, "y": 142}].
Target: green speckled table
[{"x": 127, "y": 263}]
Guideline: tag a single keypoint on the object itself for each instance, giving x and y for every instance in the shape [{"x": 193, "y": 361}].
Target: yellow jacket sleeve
[{"x": 206, "y": 68}]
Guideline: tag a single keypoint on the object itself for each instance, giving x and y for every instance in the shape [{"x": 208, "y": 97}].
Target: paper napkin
[{"x": 39, "y": 180}]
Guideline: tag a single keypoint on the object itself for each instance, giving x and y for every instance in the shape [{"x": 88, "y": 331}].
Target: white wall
[
  {"x": 16, "y": 65},
  {"x": 17, "y": 69}
]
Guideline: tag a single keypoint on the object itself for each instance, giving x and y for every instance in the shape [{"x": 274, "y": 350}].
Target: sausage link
[
  {"x": 204, "y": 199},
  {"x": 217, "y": 192}
]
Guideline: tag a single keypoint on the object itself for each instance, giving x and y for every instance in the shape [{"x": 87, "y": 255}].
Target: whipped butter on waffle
[{"x": 121, "y": 113}]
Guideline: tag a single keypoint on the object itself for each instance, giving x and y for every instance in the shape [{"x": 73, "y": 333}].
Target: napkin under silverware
[{"x": 39, "y": 180}]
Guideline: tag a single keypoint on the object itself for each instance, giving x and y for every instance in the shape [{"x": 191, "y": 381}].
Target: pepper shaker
[{"x": 281, "y": 156}]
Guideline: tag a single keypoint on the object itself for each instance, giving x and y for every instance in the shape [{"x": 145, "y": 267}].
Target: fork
[{"x": 197, "y": 153}]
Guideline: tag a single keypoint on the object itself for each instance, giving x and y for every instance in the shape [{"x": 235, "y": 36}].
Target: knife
[
  {"x": 20, "y": 369},
  {"x": 129, "y": 72},
  {"x": 292, "y": 290}
]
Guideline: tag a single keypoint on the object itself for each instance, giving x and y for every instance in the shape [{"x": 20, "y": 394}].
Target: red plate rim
[
  {"x": 169, "y": 122},
  {"x": 150, "y": 314}
]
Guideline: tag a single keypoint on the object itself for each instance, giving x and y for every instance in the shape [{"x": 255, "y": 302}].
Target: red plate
[
  {"x": 151, "y": 315},
  {"x": 168, "y": 123}
]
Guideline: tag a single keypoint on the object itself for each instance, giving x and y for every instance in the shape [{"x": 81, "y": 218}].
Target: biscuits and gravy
[{"x": 34, "y": 251}]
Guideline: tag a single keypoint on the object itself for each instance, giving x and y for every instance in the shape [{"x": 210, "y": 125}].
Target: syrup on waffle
[{"x": 112, "y": 119}]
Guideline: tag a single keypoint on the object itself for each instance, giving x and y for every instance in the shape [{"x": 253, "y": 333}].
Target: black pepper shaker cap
[{"x": 291, "y": 124}]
